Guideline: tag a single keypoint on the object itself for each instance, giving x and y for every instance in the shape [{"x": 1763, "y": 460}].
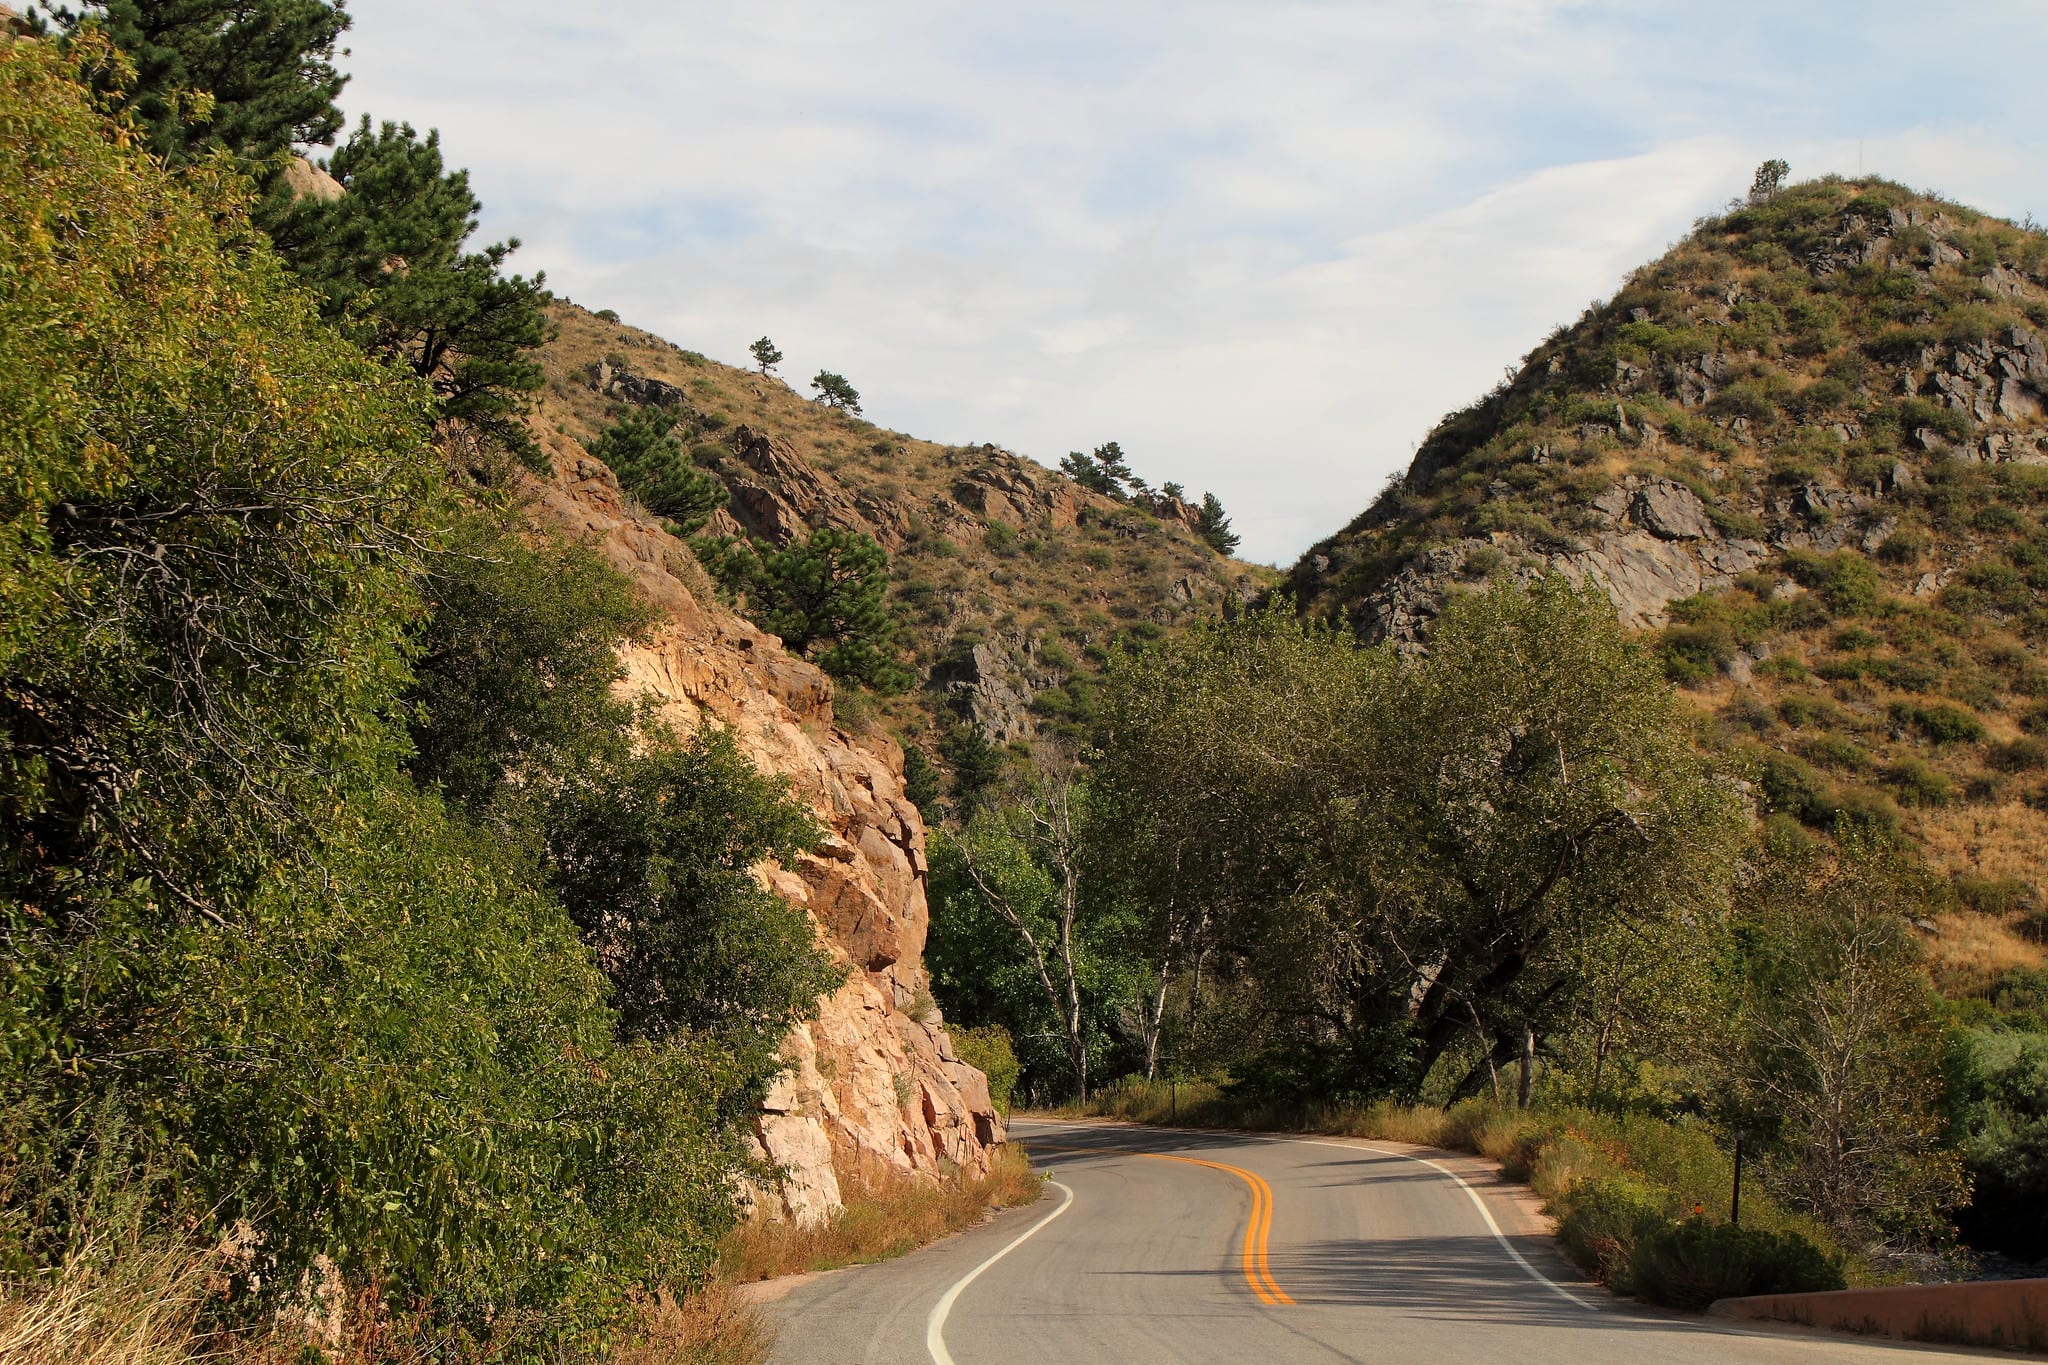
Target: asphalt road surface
[{"x": 1161, "y": 1245}]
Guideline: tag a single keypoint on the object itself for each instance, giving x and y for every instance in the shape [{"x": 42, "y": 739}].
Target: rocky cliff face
[{"x": 873, "y": 1080}]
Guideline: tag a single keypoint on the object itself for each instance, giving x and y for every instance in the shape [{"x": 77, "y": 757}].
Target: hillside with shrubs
[
  {"x": 1805, "y": 452},
  {"x": 1003, "y": 585}
]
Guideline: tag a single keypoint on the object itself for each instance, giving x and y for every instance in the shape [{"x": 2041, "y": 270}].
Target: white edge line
[
  {"x": 1470, "y": 1193},
  {"x": 935, "y": 1325},
  {"x": 1722, "y": 1327}
]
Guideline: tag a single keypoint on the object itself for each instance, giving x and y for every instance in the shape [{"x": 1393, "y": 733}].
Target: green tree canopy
[
  {"x": 825, "y": 596},
  {"x": 266, "y": 68},
  {"x": 766, "y": 354},
  {"x": 835, "y": 392},
  {"x": 1412, "y": 848},
  {"x": 214, "y": 521},
  {"x": 515, "y": 666},
  {"x": 252, "y": 970},
  {"x": 389, "y": 259},
  {"x": 1214, "y": 526},
  {"x": 643, "y": 450}
]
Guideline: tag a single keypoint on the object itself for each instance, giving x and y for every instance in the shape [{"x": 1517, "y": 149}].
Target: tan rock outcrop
[{"x": 873, "y": 1082}]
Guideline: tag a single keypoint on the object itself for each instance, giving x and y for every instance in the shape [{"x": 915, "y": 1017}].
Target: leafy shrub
[
  {"x": 1690, "y": 1265},
  {"x": 1601, "y": 1223},
  {"x": 1918, "y": 784},
  {"x": 1942, "y": 722},
  {"x": 1835, "y": 751},
  {"x": 1799, "y": 709},
  {"x": 1791, "y": 786},
  {"x": 1852, "y": 587},
  {"x": 2024, "y": 753},
  {"x": 987, "y": 1049},
  {"x": 1998, "y": 518},
  {"x": 1694, "y": 654},
  {"x": 1993, "y": 895},
  {"x": 1903, "y": 547}
]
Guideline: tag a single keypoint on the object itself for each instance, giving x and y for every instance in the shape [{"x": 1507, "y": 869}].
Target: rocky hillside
[
  {"x": 1011, "y": 580},
  {"x": 1806, "y": 449},
  {"x": 873, "y": 1083}
]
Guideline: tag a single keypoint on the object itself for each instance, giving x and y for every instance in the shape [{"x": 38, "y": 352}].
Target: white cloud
[{"x": 1263, "y": 246}]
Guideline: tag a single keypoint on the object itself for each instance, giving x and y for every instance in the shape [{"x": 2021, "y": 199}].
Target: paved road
[{"x": 1159, "y": 1245}]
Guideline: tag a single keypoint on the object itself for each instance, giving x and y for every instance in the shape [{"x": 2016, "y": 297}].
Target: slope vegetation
[
  {"x": 1807, "y": 448},
  {"x": 1011, "y": 580}
]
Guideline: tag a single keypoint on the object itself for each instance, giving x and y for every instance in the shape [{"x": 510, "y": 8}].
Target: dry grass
[
  {"x": 2009, "y": 840},
  {"x": 131, "y": 1305},
  {"x": 1971, "y": 951},
  {"x": 711, "y": 1326},
  {"x": 884, "y": 1215},
  {"x": 144, "y": 1302}
]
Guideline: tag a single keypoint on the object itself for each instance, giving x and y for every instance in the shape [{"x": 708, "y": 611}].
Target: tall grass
[
  {"x": 884, "y": 1215},
  {"x": 139, "y": 1301},
  {"x": 133, "y": 1304}
]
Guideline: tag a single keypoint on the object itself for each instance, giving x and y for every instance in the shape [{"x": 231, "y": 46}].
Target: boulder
[{"x": 1671, "y": 511}]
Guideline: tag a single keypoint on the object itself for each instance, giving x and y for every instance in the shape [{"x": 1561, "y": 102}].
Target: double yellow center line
[{"x": 1257, "y": 1273}]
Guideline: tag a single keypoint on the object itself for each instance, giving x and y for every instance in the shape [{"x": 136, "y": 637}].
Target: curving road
[{"x": 1162, "y": 1245}]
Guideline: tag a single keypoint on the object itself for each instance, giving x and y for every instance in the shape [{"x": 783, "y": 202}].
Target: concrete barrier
[{"x": 2008, "y": 1313}]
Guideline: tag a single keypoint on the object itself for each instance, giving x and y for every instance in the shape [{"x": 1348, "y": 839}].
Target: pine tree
[
  {"x": 766, "y": 354},
  {"x": 1104, "y": 472},
  {"x": 642, "y": 449},
  {"x": 829, "y": 591},
  {"x": 388, "y": 258},
  {"x": 266, "y": 64},
  {"x": 1214, "y": 526},
  {"x": 835, "y": 392}
]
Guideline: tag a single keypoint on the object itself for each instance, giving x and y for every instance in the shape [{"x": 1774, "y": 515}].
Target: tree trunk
[
  {"x": 1157, "y": 1025},
  {"x": 1527, "y": 1083}
]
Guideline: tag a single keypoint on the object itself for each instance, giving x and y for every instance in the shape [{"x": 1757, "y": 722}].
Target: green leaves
[
  {"x": 336, "y": 889},
  {"x": 215, "y": 518},
  {"x": 388, "y": 259},
  {"x": 643, "y": 450},
  {"x": 652, "y": 853},
  {"x": 826, "y": 590},
  {"x": 1438, "y": 840}
]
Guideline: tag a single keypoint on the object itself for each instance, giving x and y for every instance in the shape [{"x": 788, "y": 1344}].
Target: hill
[
  {"x": 1011, "y": 580},
  {"x": 1806, "y": 451}
]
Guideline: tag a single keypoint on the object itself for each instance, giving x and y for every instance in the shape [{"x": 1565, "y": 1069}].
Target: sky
[{"x": 1263, "y": 245}]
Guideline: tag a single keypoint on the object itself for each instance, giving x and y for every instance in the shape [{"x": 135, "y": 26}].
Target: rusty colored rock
[{"x": 872, "y": 1081}]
